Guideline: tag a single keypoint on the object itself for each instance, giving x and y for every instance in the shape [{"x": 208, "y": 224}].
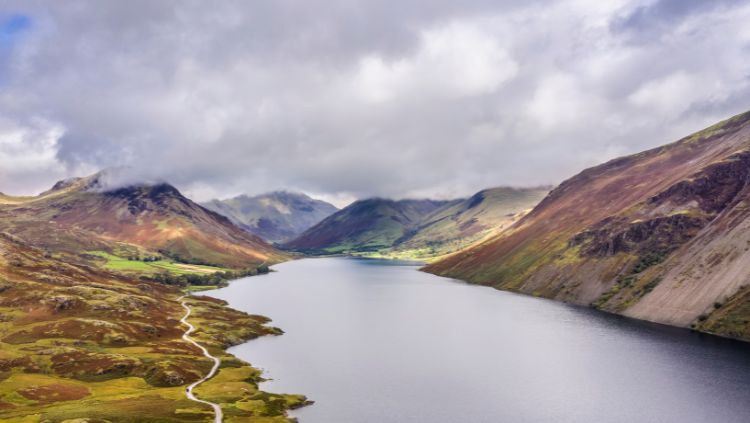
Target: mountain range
[
  {"x": 85, "y": 214},
  {"x": 417, "y": 228},
  {"x": 661, "y": 235},
  {"x": 365, "y": 226},
  {"x": 276, "y": 216}
]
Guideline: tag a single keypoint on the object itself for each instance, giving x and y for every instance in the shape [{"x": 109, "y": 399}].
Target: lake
[{"x": 379, "y": 341}]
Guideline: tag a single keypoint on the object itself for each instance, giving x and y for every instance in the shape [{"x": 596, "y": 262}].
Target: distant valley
[
  {"x": 417, "y": 229},
  {"x": 365, "y": 226}
]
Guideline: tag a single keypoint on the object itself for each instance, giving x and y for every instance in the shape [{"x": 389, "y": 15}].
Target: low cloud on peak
[{"x": 358, "y": 99}]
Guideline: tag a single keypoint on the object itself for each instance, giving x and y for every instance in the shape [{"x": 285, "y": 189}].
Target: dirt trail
[{"x": 219, "y": 416}]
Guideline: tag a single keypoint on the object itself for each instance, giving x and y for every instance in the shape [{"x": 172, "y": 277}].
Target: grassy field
[
  {"x": 121, "y": 264},
  {"x": 79, "y": 363},
  {"x": 78, "y": 343}
]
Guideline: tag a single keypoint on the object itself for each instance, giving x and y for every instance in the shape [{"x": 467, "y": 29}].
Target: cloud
[
  {"x": 673, "y": 94},
  {"x": 28, "y": 152},
  {"x": 361, "y": 98},
  {"x": 451, "y": 61}
]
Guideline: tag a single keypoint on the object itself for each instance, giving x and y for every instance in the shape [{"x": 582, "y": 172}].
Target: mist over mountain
[
  {"x": 461, "y": 96},
  {"x": 93, "y": 213}
]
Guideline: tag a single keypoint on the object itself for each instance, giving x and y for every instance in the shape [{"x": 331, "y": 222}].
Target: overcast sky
[{"x": 354, "y": 98}]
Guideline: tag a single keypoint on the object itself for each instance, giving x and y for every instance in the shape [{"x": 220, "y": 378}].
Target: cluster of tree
[
  {"x": 146, "y": 259},
  {"x": 208, "y": 279},
  {"x": 187, "y": 260}
]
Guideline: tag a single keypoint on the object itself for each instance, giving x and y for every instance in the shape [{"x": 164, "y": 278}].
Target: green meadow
[{"x": 122, "y": 264}]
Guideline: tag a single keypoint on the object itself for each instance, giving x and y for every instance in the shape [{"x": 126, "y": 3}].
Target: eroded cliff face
[{"x": 661, "y": 235}]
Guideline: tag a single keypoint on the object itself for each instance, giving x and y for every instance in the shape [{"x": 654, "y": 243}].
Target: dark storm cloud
[{"x": 356, "y": 98}]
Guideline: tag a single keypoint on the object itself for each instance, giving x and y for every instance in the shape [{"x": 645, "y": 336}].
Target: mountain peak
[
  {"x": 91, "y": 211},
  {"x": 113, "y": 179},
  {"x": 275, "y": 216},
  {"x": 369, "y": 224}
]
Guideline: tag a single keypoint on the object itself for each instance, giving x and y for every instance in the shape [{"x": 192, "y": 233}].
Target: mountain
[
  {"x": 276, "y": 216},
  {"x": 419, "y": 229},
  {"x": 365, "y": 225},
  {"x": 661, "y": 235},
  {"x": 85, "y": 214},
  {"x": 460, "y": 224}
]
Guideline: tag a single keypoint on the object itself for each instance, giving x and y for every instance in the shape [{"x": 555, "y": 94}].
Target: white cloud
[
  {"x": 430, "y": 98},
  {"x": 672, "y": 95},
  {"x": 451, "y": 61},
  {"x": 560, "y": 102},
  {"x": 29, "y": 153}
]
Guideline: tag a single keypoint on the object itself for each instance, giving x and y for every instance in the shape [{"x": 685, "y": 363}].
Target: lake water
[{"x": 378, "y": 341}]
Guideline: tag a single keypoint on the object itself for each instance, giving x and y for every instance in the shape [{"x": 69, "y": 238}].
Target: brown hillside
[
  {"x": 83, "y": 214},
  {"x": 658, "y": 235}
]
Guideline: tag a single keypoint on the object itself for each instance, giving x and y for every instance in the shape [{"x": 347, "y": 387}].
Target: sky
[{"x": 348, "y": 99}]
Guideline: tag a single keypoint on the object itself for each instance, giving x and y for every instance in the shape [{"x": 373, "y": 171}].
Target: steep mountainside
[
  {"x": 460, "y": 224},
  {"x": 365, "y": 225},
  {"x": 276, "y": 216},
  {"x": 661, "y": 235},
  {"x": 84, "y": 214}
]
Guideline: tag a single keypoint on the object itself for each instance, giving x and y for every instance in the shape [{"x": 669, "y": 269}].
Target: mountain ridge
[
  {"x": 365, "y": 225},
  {"x": 615, "y": 235},
  {"x": 417, "y": 229},
  {"x": 465, "y": 222},
  {"x": 83, "y": 214},
  {"x": 275, "y": 216}
]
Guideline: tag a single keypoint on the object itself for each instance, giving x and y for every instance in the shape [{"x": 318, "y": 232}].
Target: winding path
[{"x": 219, "y": 416}]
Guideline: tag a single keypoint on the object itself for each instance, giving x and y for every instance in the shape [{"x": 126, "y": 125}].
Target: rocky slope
[
  {"x": 276, "y": 216},
  {"x": 365, "y": 225},
  {"x": 85, "y": 214},
  {"x": 660, "y": 235}
]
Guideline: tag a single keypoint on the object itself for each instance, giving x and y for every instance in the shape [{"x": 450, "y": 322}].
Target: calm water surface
[{"x": 378, "y": 341}]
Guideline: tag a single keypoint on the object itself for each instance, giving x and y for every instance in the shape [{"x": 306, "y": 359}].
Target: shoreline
[
  {"x": 592, "y": 308},
  {"x": 307, "y": 402},
  {"x": 292, "y": 368},
  {"x": 298, "y": 400},
  {"x": 424, "y": 263}
]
